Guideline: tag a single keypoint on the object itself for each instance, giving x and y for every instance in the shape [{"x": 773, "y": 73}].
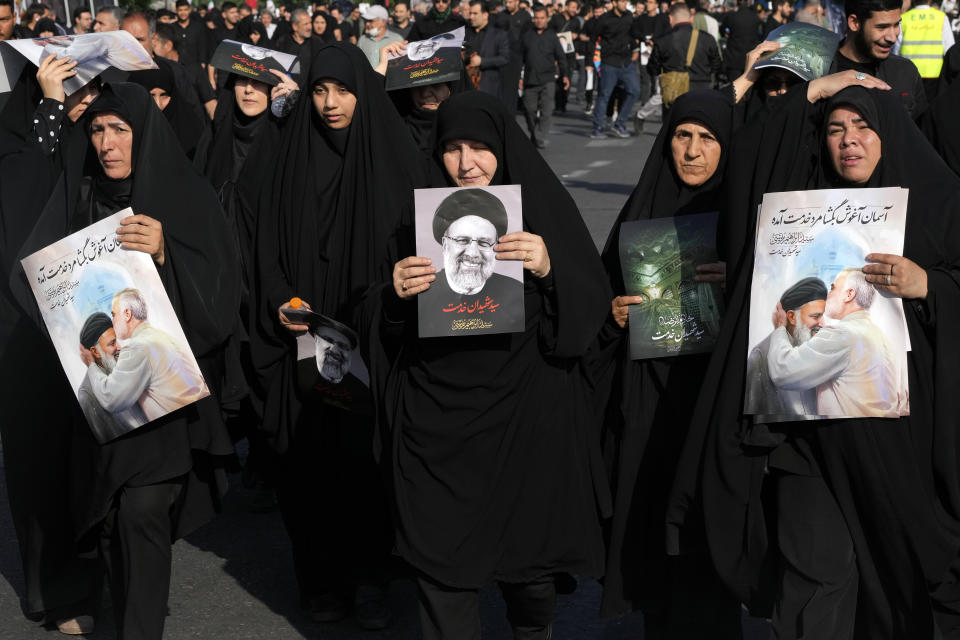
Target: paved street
[{"x": 233, "y": 579}]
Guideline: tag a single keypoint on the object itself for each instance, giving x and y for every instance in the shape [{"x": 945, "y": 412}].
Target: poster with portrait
[
  {"x": 427, "y": 61},
  {"x": 251, "y": 61},
  {"x": 114, "y": 329},
  {"x": 566, "y": 41},
  {"x": 330, "y": 366},
  {"x": 805, "y": 49},
  {"x": 837, "y": 346},
  {"x": 474, "y": 293},
  {"x": 659, "y": 259},
  {"x": 94, "y": 52}
]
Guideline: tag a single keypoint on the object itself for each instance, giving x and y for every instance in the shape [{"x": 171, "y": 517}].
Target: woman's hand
[
  {"x": 750, "y": 76},
  {"x": 712, "y": 272},
  {"x": 525, "y": 246},
  {"x": 291, "y": 326},
  {"x": 393, "y": 49},
  {"x": 620, "y": 308},
  {"x": 412, "y": 276},
  {"x": 50, "y": 76},
  {"x": 286, "y": 86},
  {"x": 142, "y": 233},
  {"x": 900, "y": 276},
  {"x": 829, "y": 86}
]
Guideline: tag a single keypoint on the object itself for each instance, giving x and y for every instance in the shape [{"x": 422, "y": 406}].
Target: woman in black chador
[
  {"x": 495, "y": 473},
  {"x": 866, "y": 510},
  {"x": 653, "y": 399},
  {"x": 345, "y": 170},
  {"x": 136, "y": 494}
]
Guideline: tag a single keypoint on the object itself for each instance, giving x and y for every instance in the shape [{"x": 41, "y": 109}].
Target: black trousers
[
  {"x": 819, "y": 581},
  {"x": 136, "y": 546},
  {"x": 454, "y": 614}
]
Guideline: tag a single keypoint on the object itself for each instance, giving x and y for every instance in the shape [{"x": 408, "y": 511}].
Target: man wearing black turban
[
  {"x": 467, "y": 224},
  {"x": 98, "y": 337},
  {"x": 804, "y": 303}
]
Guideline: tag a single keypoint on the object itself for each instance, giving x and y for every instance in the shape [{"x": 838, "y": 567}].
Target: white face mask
[{"x": 373, "y": 33}]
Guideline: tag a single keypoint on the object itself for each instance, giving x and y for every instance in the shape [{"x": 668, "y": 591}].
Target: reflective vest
[{"x": 923, "y": 40}]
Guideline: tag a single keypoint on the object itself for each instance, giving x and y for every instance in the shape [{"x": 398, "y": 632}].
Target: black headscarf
[
  {"x": 649, "y": 410},
  {"x": 939, "y": 122},
  {"x": 246, "y": 26},
  {"x": 469, "y": 419},
  {"x": 329, "y": 217},
  {"x": 199, "y": 275},
  {"x": 188, "y": 122},
  {"x": 902, "y": 544},
  {"x": 422, "y": 123}
]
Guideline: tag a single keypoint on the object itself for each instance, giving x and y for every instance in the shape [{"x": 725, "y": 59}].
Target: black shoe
[
  {"x": 370, "y": 608},
  {"x": 326, "y": 607}
]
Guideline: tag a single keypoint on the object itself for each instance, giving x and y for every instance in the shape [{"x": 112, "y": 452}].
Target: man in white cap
[{"x": 376, "y": 35}]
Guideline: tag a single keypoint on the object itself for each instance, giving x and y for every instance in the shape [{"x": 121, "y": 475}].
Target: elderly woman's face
[
  {"x": 112, "y": 139},
  {"x": 469, "y": 163},
  {"x": 430, "y": 96},
  {"x": 252, "y": 96},
  {"x": 696, "y": 153},
  {"x": 334, "y": 102},
  {"x": 855, "y": 148}
]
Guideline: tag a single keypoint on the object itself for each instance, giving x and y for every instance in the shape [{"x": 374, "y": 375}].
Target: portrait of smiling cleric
[{"x": 466, "y": 225}]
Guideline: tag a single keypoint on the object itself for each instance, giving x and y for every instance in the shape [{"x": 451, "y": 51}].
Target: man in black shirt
[
  {"x": 487, "y": 50},
  {"x": 543, "y": 62},
  {"x": 670, "y": 51},
  {"x": 568, "y": 20},
  {"x": 192, "y": 36},
  {"x": 517, "y": 21},
  {"x": 782, "y": 10},
  {"x": 743, "y": 28},
  {"x": 618, "y": 41},
  {"x": 872, "y": 30},
  {"x": 400, "y": 22}
]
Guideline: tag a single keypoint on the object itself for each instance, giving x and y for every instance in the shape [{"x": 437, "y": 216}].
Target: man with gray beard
[
  {"x": 806, "y": 300},
  {"x": 467, "y": 224},
  {"x": 98, "y": 337}
]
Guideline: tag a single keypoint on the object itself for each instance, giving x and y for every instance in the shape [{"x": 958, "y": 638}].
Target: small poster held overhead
[
  {"x": 251, "y": 61},
  {"x": 118, "y": 338},
  {"x": 473, "y": 293},
  {"x": 427, "y": 61}
]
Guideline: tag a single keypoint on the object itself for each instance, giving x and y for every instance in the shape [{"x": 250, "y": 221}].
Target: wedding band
[
  {"x": 403, "y": 285},
  {"x": 527, "y": 258},
  {"x": 860, "y": 75},
  {"x": 888, "y": 281}
]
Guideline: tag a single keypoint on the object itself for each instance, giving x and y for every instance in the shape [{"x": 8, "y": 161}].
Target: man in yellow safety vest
[{"x": 925, "y": 37}]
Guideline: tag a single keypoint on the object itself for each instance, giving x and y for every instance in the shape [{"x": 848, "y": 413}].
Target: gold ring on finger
[
  {"x": 528, "y": 257},
  {"x": 888, "y": 280}
]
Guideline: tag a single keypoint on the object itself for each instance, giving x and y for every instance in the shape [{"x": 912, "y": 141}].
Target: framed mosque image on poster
[
  {"x": 473, "y": 293},
  {"x": 824, "y": 342},
  {"x": 117, "y": 336}
]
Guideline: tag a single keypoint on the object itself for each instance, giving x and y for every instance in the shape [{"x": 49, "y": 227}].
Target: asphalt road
[{"x": 233, "y": 579}]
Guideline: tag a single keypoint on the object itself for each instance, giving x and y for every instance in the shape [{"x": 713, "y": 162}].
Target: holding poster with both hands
[
  {"x": 824, "y": 342},
  {"x": 114, "y": 329},
  {"x": 473, "y": 293}
]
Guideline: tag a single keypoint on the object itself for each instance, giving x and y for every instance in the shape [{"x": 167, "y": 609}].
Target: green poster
[{"x": 659, "y": 258}]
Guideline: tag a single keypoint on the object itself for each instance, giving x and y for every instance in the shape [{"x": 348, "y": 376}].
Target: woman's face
[
  {"x": 469, "y": 163},
  {"x": 161, "y": 97},
  {"x": 775, "y": 81},
  {"x": 252, "y": 96},
  {"x": 112, "y": 139},
  {"x": 77, "y": 102},
  {"x": 696, "y": 153},
  {"x": 334, "y": 102},
  {"x": 319, "y": 26},
  {"x": 855, "y": 148},
  {"x": 255, "y": 36},
  {"x": 430, "y": 96}
]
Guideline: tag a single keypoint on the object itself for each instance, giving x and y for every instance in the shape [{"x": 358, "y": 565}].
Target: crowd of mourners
[{"x": 528, "y": 459}]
